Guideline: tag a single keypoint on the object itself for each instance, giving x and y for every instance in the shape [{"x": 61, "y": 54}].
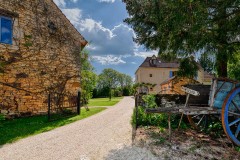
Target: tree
[
  {"x": 206, "y": 62},
  {"x": 187, "y": 26},
  {"x": 188, "y": 67},
  {"x": 234, "y": 67},
  {"x": 125, "y": 84},
  {"x": 108, "y": 78},
  {"x": 88, "y": 77}
]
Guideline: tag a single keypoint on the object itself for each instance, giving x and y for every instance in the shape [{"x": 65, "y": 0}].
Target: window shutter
[
  {"x": 6, "y": 30},
  {"x": 170, "y": 74}
]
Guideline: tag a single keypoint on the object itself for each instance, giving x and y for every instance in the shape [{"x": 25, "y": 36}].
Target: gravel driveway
[{"x": 106, "y": 135}]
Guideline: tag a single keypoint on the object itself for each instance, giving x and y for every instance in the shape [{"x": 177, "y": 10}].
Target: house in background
[
  {"x": 40, "y": 50},
  {"x": 208, "y": 78},
  {"x": 155, "y": 71}
]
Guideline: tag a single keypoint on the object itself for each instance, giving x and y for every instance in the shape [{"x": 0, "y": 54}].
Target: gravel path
[{"x": 106, "y": 135}]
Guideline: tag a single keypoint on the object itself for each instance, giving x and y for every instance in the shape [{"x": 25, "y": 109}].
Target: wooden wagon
[{"x": 203, "y": 102}]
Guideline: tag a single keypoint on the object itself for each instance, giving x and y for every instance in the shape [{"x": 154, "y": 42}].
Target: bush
[{"x": 155, "y": 119}]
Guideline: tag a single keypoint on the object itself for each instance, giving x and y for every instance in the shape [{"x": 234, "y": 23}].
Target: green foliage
[
  {"x": 206, "y": 62},
  {"x": 168, "y": 57},
  {"x": 188, "y": 68},
  {"x": 185, "y": 27},
  {"x": 237, "y": 149},
  {"x": 234, "y": 66},
  {"x": 111, "y": 79},
  {"x": 215, "y": 129},
  {"x": 23, "y": 127},
  {"x": 160, "y": 120},
  {"x": 1, "y": 67},
  {"x": 28, "y": 39},
  {"x": 88, "y": 77},
  {"x": 150, "y": 100}
]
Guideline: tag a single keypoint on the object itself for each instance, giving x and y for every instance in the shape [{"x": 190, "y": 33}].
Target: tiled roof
[
  {"x": 159, "y": 63},
  {"x": 168, "y": 80}
]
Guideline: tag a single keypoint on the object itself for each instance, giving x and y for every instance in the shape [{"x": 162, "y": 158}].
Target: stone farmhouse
[
  {"x": 39, "y": 54},
  {"x": 155, "y": 71}
]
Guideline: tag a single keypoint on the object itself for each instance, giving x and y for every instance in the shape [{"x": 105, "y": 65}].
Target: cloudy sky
[{"x": 110, "y": 39}]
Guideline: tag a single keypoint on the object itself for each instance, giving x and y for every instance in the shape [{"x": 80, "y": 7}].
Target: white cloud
[
  {"x": 60, "y": 3},
  {"x": 107, "y": 45},
  {"x": 133, "y": 63},
  {"x": 74, "y": 15},
  {"x": 108, "y": 60},
  {"x": 105, "y": 41},
  {"x": 107, "y": 1},
  {"x": 145, "y": 54}
]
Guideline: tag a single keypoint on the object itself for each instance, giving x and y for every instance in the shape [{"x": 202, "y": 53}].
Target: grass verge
[
  {"x": 104, "y": 101},
  {"x": 13, "y": 130}
]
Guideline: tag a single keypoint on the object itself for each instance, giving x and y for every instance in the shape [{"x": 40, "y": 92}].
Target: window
[
  {"x": 6, "y": 30},
  {"x": 150, "y": 75}
]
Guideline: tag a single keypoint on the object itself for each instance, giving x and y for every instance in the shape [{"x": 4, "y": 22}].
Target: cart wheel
[
  {"x": 200, "y": 121},
  {"x": 231, "y": 116}
]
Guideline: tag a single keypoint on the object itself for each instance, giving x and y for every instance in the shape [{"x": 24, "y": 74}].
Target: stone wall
[{"x": 44, "y": 56}]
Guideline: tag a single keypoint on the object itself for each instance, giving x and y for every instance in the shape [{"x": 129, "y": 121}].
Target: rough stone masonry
[{"x": 41, "y": 57}]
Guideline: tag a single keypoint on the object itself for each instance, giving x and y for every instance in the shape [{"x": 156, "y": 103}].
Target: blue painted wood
[
  {"x": 6, "y": 30},
  {"x": 233, "y": 135},
  {"x": 223, "y": 89}
]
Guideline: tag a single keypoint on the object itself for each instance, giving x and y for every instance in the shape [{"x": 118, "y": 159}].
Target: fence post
[
  {"x": 49, "y": 106},
  {"x": 78, "y": 103},
  {"x": 136, "y": 110}
]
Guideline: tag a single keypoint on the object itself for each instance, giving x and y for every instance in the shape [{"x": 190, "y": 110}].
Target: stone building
[{"x": 39, "y": 54}]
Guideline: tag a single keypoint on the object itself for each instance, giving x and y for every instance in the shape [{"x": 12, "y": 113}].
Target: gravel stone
[{"x": 107, "y": 135}]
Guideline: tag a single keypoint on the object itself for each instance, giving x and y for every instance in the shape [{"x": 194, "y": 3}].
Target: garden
[{"x": 182, "y": 139}]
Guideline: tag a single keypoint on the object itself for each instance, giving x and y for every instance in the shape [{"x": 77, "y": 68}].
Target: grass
[
  {"x": 13, "y": 130},
  {"x": 104, "y": 101}
]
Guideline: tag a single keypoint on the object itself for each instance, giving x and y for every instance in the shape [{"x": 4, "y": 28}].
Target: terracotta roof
[
  {"x": 168, "y": 80},
  {"x": 176, "y": 77}
]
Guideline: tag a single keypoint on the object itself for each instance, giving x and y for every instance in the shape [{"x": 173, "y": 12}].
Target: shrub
[{"x": 155, "y": 119}]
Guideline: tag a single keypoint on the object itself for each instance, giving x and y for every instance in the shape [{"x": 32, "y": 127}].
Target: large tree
[
  {"x": 187, "y": 26},
  {"x": 109, "y": 78}
]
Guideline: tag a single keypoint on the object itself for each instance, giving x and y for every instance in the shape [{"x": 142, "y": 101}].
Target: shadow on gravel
[{"x": 130, "y": 153}]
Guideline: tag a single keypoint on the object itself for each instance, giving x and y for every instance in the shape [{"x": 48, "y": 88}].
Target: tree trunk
[
  {"x": 110, "y": 94},
  {"x": 221, "y": 63},
  {"x": 222, "y": 55}
]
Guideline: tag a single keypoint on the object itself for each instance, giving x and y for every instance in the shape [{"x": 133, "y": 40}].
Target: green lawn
[
  {"x": 104, "y": 101},
  {"x": 16, "y": 129}
]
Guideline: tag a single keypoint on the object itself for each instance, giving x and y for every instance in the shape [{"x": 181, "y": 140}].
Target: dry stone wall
[{"x": 44, "y": 56}]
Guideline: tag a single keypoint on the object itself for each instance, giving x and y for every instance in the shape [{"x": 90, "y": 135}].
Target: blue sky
[{"x": 110, "y": 39}]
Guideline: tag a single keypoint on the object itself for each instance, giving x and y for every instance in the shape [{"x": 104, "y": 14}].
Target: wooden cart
[{"x": 221, "y": 99}]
